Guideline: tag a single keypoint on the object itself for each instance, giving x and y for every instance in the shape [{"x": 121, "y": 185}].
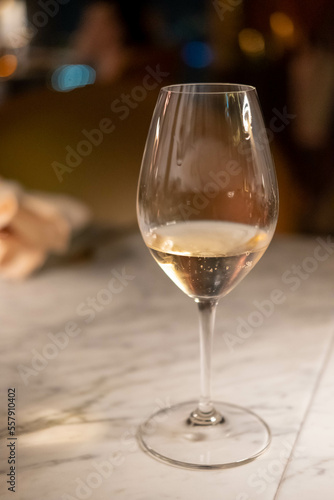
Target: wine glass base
[{"x": 170, "y": 436}]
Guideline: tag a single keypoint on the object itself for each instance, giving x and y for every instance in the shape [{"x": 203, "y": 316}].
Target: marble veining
[{"x": 77, "y": 415}]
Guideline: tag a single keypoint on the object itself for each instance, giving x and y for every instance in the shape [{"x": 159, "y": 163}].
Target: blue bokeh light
[
  {"x": 72, "y": 76},
  {"x": 197, "y": 54}
]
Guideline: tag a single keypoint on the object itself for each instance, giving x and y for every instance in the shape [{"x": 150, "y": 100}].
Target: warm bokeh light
[
  {"x": 282, "y": 25},
  {"x": 251, "y": 42},
  {"x": 8, "y": 65},
  {"x": 13, "y": 18}
]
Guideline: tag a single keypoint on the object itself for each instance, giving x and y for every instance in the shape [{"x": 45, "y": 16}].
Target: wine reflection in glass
[{"x": 207, "y": 210}]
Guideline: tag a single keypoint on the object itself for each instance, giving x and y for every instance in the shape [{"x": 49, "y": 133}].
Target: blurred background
[{"x": 79, "y": 80}]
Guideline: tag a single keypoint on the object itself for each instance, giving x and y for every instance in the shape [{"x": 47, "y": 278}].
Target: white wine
[{"x": 206, "y": 259}]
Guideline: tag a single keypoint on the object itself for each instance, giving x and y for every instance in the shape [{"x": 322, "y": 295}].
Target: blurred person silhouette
[
  {"x": 311, "y": 86},
  {"x": 113, "y": 37},
  {"x": 100, "y": 41},
  {"x": 296, "y": 74}
]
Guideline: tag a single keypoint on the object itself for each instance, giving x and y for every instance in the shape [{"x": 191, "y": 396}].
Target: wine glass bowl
[{"x": 207, "y": 210}]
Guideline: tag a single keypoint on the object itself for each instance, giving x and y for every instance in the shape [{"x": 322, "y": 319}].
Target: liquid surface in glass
[{"x": 206, "y": 259}]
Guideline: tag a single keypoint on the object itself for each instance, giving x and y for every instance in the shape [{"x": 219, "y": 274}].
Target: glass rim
[{"x": 221, "y": 88}]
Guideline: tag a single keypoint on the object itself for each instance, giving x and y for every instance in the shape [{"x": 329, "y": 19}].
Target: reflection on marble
[{"x": 77, "y": 416}]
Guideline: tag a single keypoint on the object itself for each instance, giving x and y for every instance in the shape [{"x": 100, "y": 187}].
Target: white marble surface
[{"x": 141, "y": 352}]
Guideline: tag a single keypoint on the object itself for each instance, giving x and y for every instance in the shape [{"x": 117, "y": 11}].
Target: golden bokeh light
[
  {"x": 282, "y": 25},
  {"x": 8, "y": 65},
  {"x": 251, "y": 42}
]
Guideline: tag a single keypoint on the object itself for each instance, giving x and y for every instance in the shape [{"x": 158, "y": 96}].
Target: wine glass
[{"x": 207, "y": 209}]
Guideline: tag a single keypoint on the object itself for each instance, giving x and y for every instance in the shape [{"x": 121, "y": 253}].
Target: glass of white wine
[{"x": 207, "y": 210}]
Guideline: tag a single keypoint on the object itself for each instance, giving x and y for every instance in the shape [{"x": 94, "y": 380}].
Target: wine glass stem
[{"x": 207, "y": 312}]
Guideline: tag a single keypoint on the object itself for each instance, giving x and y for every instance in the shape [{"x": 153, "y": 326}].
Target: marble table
[{"x": 88, "y": 365}]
